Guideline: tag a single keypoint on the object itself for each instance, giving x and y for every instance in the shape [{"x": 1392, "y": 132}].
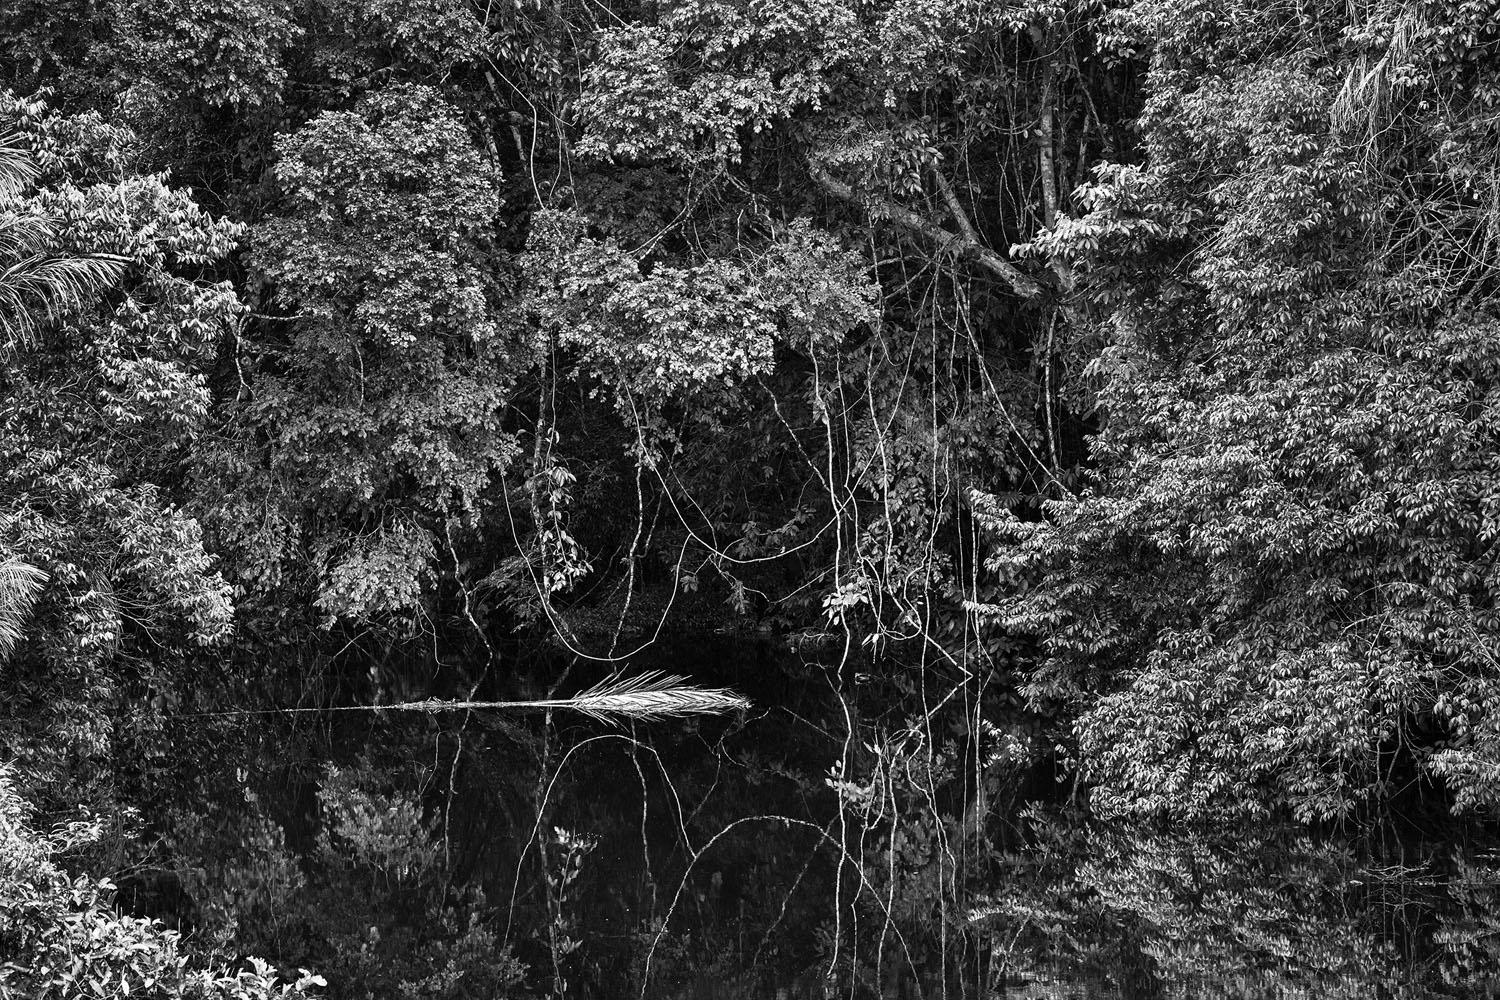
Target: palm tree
[
  {"x": 20, "y": 585},
  {"x": 34, "y": 282}
]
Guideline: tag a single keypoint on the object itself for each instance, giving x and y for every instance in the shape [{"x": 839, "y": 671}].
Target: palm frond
[
  {"x": 36, "y": 283},
  {"x": 24, "y": 235},
  {"x": 41, "y": 286},
  {"x": 651, "y": 695},
  {"x": 20, "y": 585},
  {"x": 17, "y": 168},
  {"x": 646, "y": 697},
  {"x": 1359, "y": 110}
]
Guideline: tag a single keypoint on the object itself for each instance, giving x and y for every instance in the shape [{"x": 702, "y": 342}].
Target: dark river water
[{"x": 770, "y": 855}]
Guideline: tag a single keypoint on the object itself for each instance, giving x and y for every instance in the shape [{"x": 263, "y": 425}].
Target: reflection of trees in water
[
  {"x": 715, "y": 849},
  {"x": 1238, "y": 913}
]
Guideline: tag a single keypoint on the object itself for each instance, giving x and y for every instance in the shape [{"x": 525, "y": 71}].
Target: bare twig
[{"x": 955, "y": 208}]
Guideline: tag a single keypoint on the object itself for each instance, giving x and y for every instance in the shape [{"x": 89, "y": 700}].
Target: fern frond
[{"x": 20, "y": 585}]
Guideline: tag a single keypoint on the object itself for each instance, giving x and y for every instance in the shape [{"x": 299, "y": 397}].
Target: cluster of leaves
[
  {"x": 1281, "y": 573},
  {"x": 378, "y": 397},
  {"x": 665, "y": 333},
  {"x": 614, "y": 313},
  {"x": 105, "y": 383}
]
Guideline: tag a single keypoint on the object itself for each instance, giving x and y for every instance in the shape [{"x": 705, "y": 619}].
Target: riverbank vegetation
[{"x": 1086, "y": 402}]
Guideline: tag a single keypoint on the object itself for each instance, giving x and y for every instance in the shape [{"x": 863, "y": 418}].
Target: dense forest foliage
[{"x": 1089, "y": 403}]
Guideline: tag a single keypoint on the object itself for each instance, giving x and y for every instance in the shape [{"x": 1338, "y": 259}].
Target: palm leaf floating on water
[
  {"x": 651, "y": 695},
  {"x": 646, "y": 697}
]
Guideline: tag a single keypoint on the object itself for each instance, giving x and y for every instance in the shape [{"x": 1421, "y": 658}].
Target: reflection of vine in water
[
  {"x": 900, "y": 565},
  {"x": 847, "y": 516}
]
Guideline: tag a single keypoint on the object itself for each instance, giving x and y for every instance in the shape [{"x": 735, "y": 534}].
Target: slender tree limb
[
  {"x": 955, "y": 208},
  {"x": 1046, "y": 151},
  {"x": 966, "y": 244},
  {"x": 1047, "y": 143}
]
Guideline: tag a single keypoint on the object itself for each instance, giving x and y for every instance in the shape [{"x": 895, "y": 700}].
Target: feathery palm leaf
[
  {"x": 40, "y": 287},
  {"x": 36, "y": 284},
  {"x": 20, "y": 585},
  {"x": 17, "y": 168},
  {"x": 649, "y": 696},
  {"x": 22, "y": 234}
]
